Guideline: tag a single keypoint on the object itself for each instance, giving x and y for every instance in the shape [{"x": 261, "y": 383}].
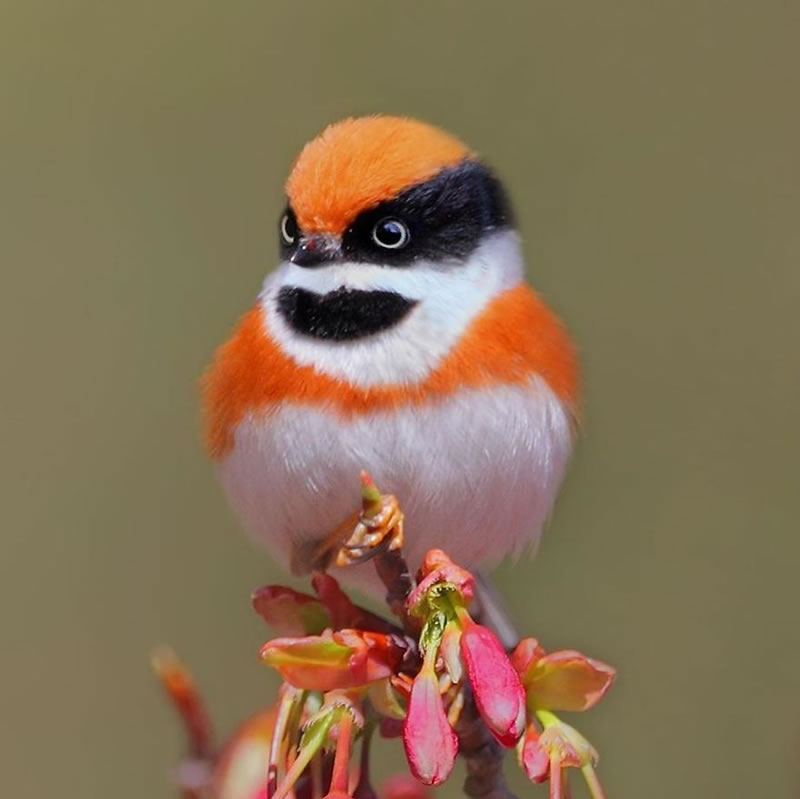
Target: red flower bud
[
  {"x": 533, "y": 758},
  {"x": 430, "y": 743},
  {"x": 498, "y": 692}
]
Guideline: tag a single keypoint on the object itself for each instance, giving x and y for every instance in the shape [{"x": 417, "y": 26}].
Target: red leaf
[
  {"x": 290, "y": 612},
  {"x": 343, "y": 613}
]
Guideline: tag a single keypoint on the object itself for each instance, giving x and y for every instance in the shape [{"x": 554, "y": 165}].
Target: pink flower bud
[
  {"x": 498, "y": 692},
  {"x": 430, "y": 743},
  {"x": 534, "y": 759}
]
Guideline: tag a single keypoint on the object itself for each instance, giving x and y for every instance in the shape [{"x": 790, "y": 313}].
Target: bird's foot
[
  {"x": 319, "y": 554},
  {"x": 379, "y": 529}
]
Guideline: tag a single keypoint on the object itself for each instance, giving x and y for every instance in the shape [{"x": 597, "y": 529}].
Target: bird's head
[{"x": 395, "y": 235}]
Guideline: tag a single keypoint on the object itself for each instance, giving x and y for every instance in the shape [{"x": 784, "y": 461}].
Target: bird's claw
[{"x": 378, "y": 530}]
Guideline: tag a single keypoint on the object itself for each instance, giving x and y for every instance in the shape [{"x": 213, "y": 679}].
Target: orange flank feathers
[
  {"x": 357, "y": 163},
  {"x": 515, "y": 337}
]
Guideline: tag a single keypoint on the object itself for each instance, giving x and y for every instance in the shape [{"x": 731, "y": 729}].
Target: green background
[{"x": 652, "y": 151}]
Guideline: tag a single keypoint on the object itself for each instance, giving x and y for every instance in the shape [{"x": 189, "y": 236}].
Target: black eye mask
[
  {"x": 446, "y": 216},
  {"x": 341, "y": 315}
]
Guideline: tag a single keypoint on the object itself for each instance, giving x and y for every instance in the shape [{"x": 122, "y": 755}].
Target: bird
[{"x": 397, "y": 334}]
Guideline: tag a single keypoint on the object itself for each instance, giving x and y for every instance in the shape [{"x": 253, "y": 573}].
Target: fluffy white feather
[{"x": 476, "y": 473}]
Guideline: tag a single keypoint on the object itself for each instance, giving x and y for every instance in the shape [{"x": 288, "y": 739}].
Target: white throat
[{"x": 449, "y": 296}]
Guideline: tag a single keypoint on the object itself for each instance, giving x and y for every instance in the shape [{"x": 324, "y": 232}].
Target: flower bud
[
  {"x": 534, "y": 759},
  {"x": 430, "y": 743},
  {"x": 495, "y": 684}
]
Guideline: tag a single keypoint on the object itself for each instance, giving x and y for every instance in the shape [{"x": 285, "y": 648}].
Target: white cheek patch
[{"x": 449, "y": 297}]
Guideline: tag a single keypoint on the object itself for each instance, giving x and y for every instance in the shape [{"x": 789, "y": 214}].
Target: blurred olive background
[{"x": 652, "y": 151}]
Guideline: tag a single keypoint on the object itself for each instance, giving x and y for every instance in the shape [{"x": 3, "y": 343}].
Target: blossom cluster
[{"x": 349, "y": 674}]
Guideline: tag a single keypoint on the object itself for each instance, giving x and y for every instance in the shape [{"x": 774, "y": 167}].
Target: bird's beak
[{"x": 316, "y": 250}]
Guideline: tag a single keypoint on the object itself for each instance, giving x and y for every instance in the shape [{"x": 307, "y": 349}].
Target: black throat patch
[{"x": 341, "y": 315}]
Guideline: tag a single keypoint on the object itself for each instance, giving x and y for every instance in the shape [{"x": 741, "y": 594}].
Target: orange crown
[{"x": 357, "y": 163}]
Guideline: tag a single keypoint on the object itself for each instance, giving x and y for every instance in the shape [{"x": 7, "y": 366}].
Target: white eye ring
[
  {"x": 398, "y": 228},
  {"x": 287, "y": 224}
]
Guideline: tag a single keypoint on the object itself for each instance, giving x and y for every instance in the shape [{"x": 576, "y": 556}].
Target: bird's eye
[
  {"x": 391, "y": 234},
  {"x": 288, "y": 229}
]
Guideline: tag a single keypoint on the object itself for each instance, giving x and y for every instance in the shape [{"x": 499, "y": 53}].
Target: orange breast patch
[{"x": 515, "y": 337}]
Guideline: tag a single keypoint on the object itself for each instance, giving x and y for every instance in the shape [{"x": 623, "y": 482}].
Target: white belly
[{"x": 475, "y": 473}]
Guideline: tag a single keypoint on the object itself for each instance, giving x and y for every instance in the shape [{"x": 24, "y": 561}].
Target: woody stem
[
  {"x": 393, "y": 571},
  {"x": 482, "y": 754}
]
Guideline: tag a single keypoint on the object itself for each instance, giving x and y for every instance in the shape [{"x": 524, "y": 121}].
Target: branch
[{"x": 482, "y": 754}]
